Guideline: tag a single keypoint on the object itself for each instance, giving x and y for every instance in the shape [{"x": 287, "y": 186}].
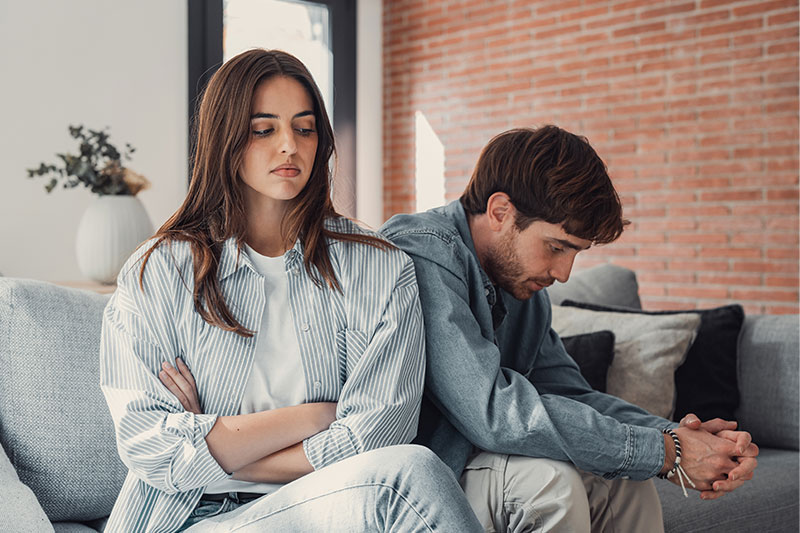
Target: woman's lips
[{"x": 287, "y": 172}]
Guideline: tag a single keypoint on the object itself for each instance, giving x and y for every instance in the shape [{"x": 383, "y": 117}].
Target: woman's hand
[{"x": 180, "y": 382}]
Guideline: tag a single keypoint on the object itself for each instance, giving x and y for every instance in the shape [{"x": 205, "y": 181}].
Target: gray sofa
[{"x": 60, "y": 470}]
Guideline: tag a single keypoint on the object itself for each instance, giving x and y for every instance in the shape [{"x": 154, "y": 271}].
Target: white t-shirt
[{"x": 277, "y": 378}]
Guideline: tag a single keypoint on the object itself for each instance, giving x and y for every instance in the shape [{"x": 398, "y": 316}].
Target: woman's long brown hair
[{"x": 213, "y": 210}]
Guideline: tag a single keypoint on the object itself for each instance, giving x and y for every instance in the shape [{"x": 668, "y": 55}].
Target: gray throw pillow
[
  {"x": 602, "y": 284},
  {"x": 647, "y": 351},
  {"x": 54, "y": 422}
]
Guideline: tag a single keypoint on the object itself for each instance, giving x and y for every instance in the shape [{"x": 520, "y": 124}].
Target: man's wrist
[{"x": 669, "y": 454}]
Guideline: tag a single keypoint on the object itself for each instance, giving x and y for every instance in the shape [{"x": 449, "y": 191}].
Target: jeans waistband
[{"x": 240, "y": 497}]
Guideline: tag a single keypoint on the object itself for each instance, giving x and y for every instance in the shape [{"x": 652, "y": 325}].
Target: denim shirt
[
  {"x": 498, "y": 377},
  {"x": 362, "y": 347}
]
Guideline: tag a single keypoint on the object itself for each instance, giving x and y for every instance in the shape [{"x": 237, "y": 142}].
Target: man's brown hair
[{"x": 551, "y": 175}]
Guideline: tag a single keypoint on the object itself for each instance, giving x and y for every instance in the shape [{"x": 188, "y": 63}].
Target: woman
[{"x": 300, "y": 332}]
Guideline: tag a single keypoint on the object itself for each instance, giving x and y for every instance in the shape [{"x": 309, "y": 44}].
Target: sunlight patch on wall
[{"x": 428, "y": 164}]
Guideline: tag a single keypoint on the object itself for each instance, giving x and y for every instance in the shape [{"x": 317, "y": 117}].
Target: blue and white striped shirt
[{"x": 363, "y": 348}]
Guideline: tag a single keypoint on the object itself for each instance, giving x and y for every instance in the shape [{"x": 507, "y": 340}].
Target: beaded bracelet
[{"x": 677, "y": 468}]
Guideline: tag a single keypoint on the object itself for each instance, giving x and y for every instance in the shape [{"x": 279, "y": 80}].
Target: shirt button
[
  {"x": 317, "y": 385},
  {"x": 486, "y": 292},
  {"x": 305, "y": 326}
]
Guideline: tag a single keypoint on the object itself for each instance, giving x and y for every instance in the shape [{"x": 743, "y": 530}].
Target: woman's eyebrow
[{"x": 271, "y": 115}]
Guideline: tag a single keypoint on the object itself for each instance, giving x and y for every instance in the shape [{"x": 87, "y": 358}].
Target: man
[{"x": 505, "y": 406}]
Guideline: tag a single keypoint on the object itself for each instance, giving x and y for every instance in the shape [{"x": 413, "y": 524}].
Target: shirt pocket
[{"x": 350, "y": 346}]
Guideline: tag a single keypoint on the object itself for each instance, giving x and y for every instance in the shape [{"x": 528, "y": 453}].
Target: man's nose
[{"x": 562, "y": 267}]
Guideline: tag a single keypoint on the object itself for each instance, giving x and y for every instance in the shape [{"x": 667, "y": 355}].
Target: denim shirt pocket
[{"x": 350, "y": 346}]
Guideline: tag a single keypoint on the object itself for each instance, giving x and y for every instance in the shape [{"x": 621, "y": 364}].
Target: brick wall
[{"x": 693, "y": 105}]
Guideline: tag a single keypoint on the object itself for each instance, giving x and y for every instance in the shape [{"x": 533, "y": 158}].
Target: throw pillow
[
  {"x": 647, "y": 351},
  {"x": 54, "y": 421},
  {"x": 705, "y": 383},
  {"x": 602, "y": 284},
  {"x": 594, "y": 353}
]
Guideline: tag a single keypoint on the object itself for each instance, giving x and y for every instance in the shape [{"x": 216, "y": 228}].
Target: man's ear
[{"x": 499, "y": 211}]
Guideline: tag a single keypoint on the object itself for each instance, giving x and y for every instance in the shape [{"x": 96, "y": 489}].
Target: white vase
[{"x": 109, "y": 231}]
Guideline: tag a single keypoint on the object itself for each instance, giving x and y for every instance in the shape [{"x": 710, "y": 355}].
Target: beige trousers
[{"x": 512, "y": 493}]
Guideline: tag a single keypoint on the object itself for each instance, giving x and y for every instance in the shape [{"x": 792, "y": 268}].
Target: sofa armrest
[
  {"x": 20, "y": 511},
  {"x": 768, "y": 363}
]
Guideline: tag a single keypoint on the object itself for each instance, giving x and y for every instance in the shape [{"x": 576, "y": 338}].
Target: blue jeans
[{"x": 398, "y": 488}]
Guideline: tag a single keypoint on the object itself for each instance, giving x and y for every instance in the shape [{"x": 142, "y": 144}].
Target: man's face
[{"x": 523, "y": 262}]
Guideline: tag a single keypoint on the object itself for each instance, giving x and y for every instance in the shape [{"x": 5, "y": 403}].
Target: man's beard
[{"x": 504, "y": 268}]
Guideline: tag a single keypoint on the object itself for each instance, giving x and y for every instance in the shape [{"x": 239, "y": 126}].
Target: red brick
[
  {"x": 782, "y": 281},
  {"x": 783, "y": 253},
  {"x": 783, "y": 194},
  {"x": 667, "y": 251},
  {"x": 700, "y": 265},
  {"x": 750, "y": 252},
  {"x": 642, "y": 28},
  {"x": 731, "y": 196},
  {"x": 769, "y": 151},
  {"x": 783, "y": 48},
  {"x": 555, "y": 32},
  {"x": 773, "y": 209},
  {"x": 783, "y": 18},
  {"x": 763, "y": 7},
  {"x": 666, "y": 305},
  {"x": 697, "y": 292},
  {"x": 632, "y": 4},
  {"x": 728, "y": 279},
  {"x": 782, "y": 309},
  {"x": 698, "y": 238},
  {"x": 769, "y": 35},
  {"x": 701, "y": 210},
  {"x": 791, "y": 223},
  {"x": 764, "y": 266},
  {"x": 584, "y": 14},
  {"x": 732, "y": 27},
  {"x": 766, "y": 295},
  {"x": 704, "y": 17},
  {"x": 731, "y": 55},
  {"x": 667, "y": 10}
]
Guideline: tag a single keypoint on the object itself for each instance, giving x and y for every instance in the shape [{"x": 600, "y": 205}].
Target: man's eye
[{"x": 556, "y": 249}]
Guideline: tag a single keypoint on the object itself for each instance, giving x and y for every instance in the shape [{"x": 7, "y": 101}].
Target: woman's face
[{"x": 283, "y": 144}]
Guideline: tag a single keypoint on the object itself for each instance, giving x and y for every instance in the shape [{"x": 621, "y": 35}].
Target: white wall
[
  {"x": 369, "y": 113},
  {"x": 117, "y": 63}
]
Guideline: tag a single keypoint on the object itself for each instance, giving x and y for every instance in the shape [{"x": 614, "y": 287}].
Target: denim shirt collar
[{"x": 455, "y": 211}]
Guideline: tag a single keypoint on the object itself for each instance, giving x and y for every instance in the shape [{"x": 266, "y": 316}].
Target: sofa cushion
[
  {"x": 769, "y": 351},
  {"x": 768, "y": 502},
  {"x": 706, "y": 383},
  {"x": 56, "y": 427},
  {"x": 602, "y": 284},
  {"x": 20, "y": 511},
  {"x": 594, "y": 353},
  {"x": 647, "y": 351}
]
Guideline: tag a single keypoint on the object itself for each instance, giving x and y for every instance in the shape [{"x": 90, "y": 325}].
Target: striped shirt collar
[{"x": 232, "y": 258}]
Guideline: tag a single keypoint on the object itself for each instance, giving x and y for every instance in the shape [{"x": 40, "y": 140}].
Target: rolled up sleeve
[{"x": 157, "y": 440}]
